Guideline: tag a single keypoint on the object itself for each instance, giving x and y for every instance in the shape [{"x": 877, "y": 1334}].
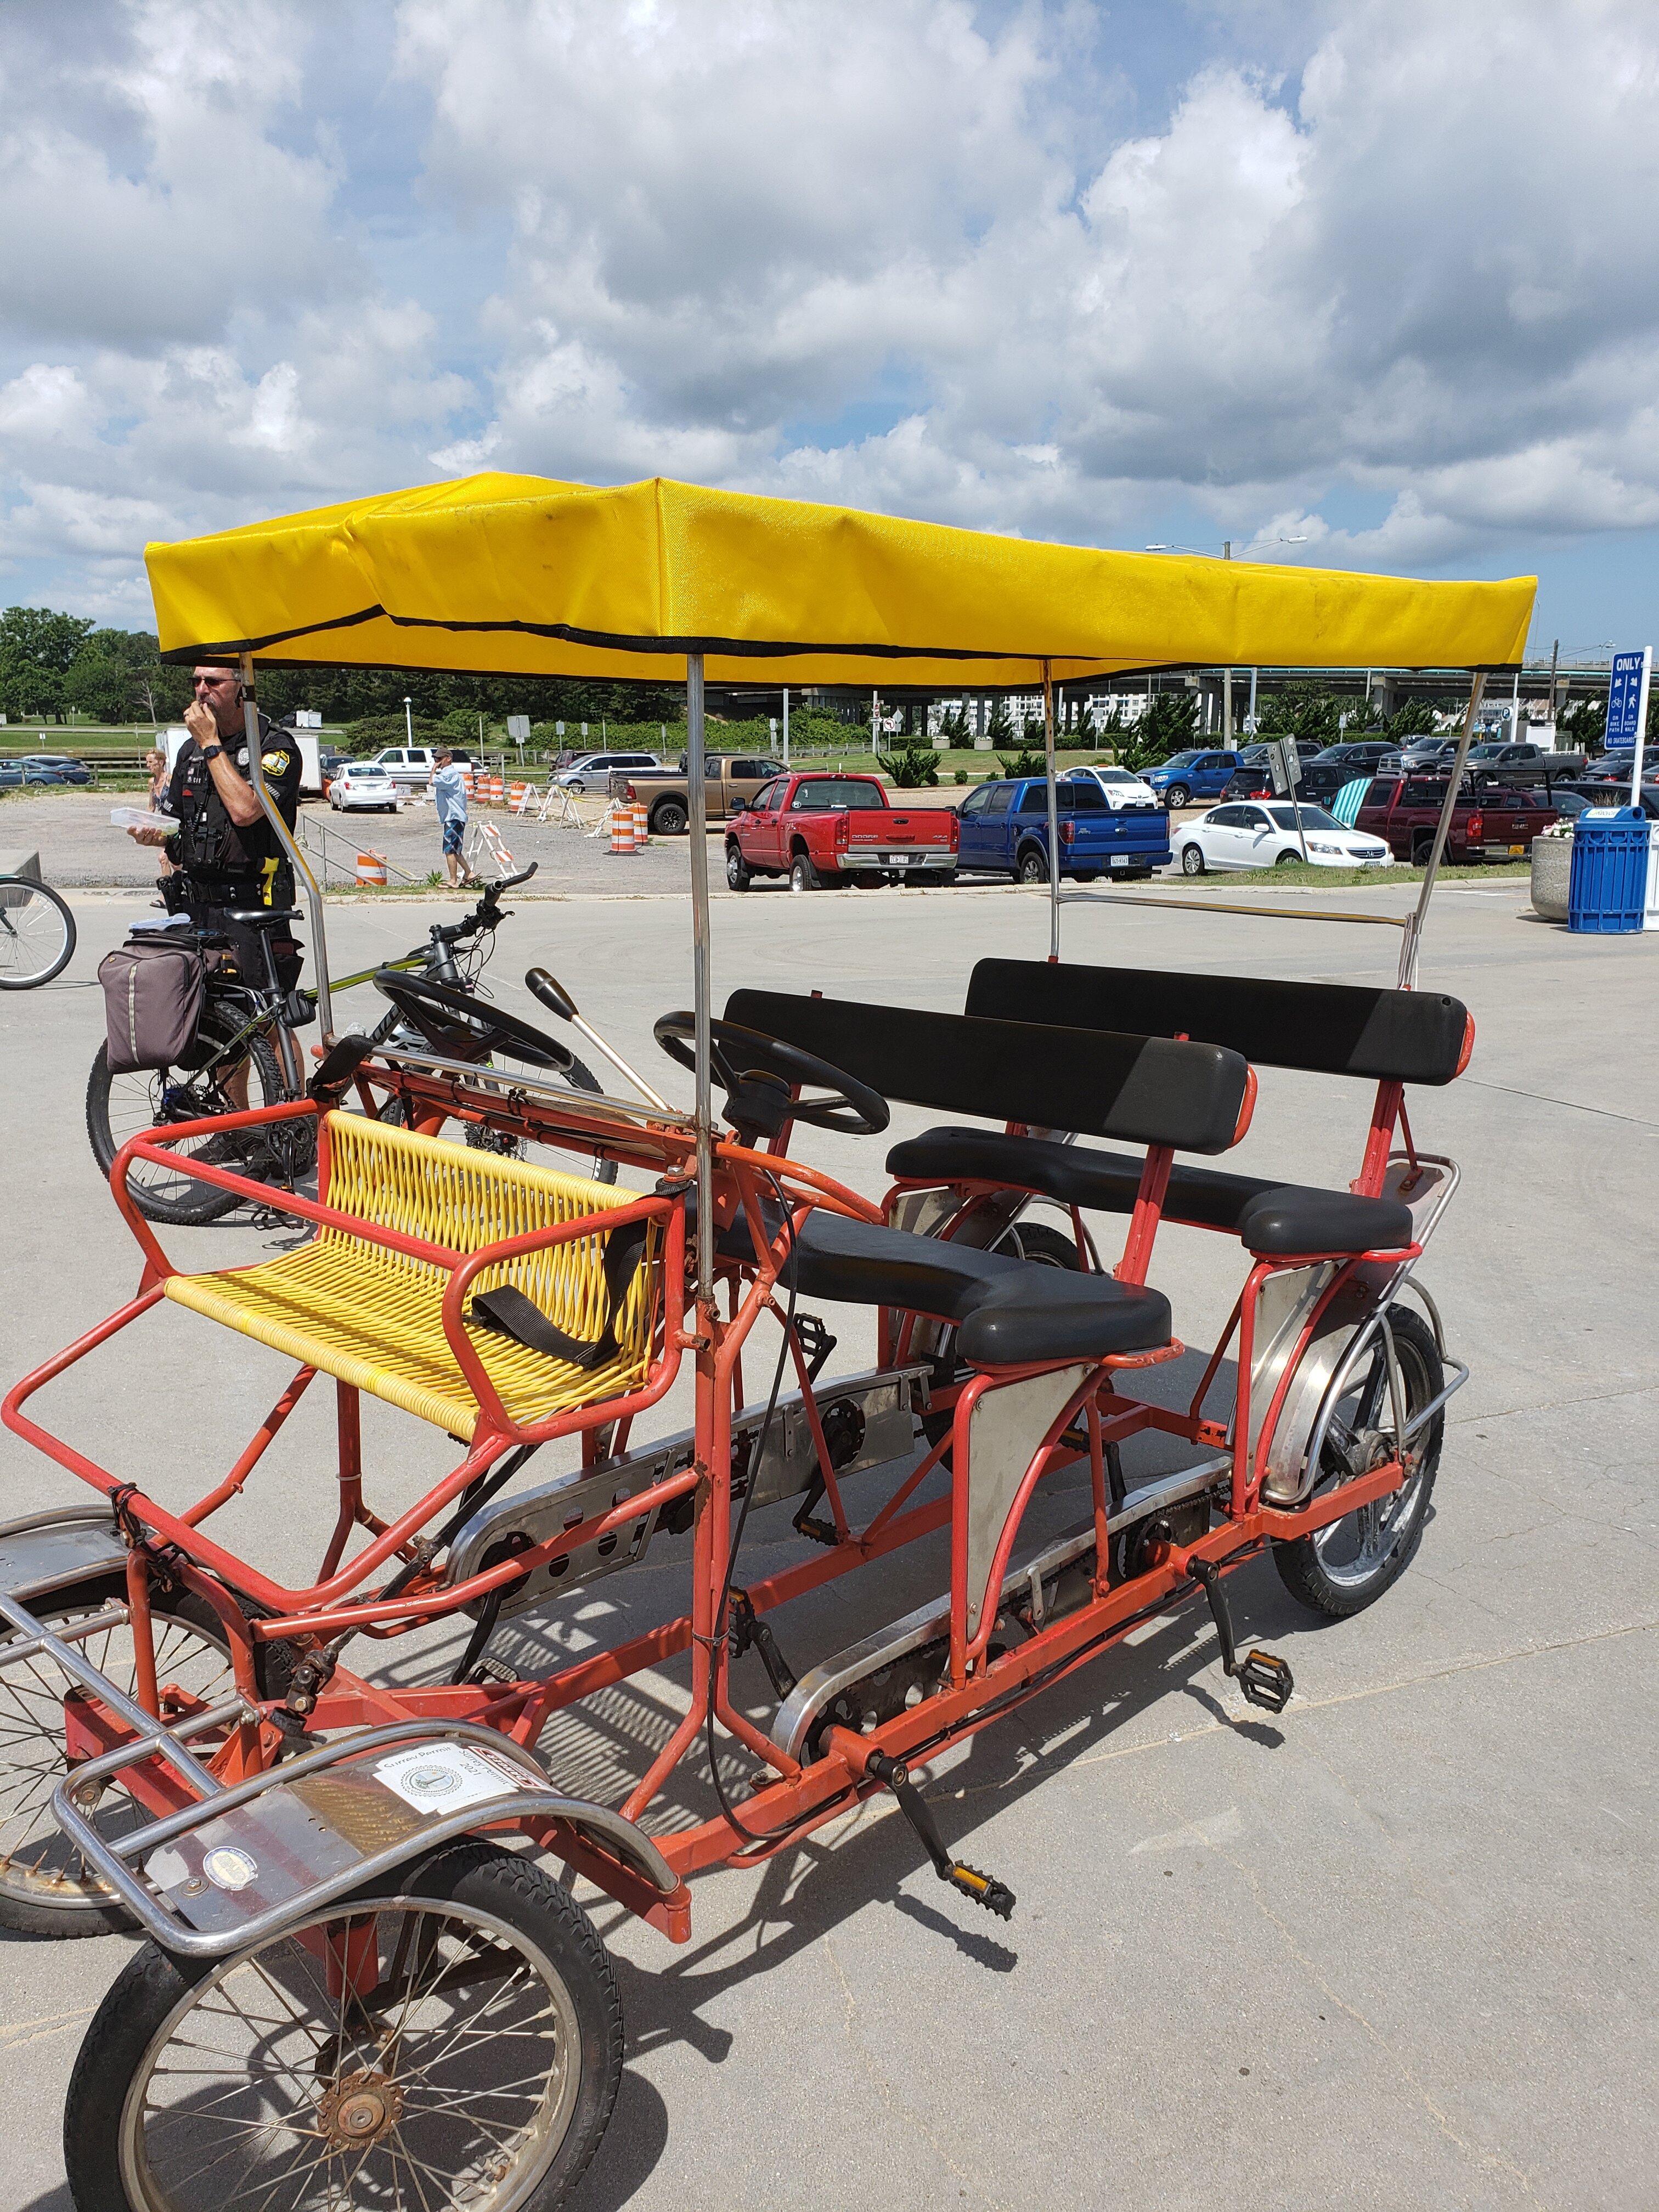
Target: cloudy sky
[{"x": 1363, "y": 283}]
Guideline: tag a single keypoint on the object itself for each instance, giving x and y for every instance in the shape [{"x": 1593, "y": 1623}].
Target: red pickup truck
[
  {"x": 1490, "y": 821},
  {"x": 821, "y": 830}
]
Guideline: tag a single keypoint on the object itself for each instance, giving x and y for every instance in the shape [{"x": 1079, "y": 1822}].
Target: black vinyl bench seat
[
  {"x": 1270, "y": 1220},
  {"x": 1008, "y": 1311},
  {"x": 1377, "y": 1035}
]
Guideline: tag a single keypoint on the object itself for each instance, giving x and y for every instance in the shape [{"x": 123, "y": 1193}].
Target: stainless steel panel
[
  {"x": 42, "y": 1554},
  {"x": 1004, "y": 1432}
]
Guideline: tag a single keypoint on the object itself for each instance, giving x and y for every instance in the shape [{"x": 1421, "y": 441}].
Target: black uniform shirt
[{"x": 209, "y": 843}]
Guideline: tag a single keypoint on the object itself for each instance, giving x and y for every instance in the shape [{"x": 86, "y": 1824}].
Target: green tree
[
  {"x": 38, "y": 649},
  {"x": 1000, "y": 729},
  {"x": 1414, "y": 719}
]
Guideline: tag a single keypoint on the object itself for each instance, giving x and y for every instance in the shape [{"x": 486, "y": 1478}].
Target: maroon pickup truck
[
  {"x": 1490, "y": 823},
  {"x": 821, "y": 830}
]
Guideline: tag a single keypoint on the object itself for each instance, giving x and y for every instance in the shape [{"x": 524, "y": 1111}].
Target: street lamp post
[{"x": 409, "y": 722}]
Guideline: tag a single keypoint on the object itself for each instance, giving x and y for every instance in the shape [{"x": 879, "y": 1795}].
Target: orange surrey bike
[{"x": 351, "y": 1990}]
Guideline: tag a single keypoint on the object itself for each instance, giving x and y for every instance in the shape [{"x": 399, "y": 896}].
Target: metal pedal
[
  {"x": 984, "y": 1888},
  {"x": 1265, "y": 1678}
]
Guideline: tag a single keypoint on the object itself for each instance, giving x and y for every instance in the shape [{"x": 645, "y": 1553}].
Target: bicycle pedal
[
  {"x": 1265, "y": 1680},
  {"x": 984, "y": 1888}
]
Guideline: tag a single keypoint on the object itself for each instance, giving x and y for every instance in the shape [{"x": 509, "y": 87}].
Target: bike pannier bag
[{"x": 152, "y": 1002}]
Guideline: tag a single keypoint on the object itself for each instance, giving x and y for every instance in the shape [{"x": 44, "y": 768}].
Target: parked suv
[
  {"x": 1193, "y": 774},
  {"x": 591, "y": 771},
  {"x": 412, "y": 768}
]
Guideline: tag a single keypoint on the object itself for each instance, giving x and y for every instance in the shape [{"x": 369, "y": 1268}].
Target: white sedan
[
  {"x": 1252, "y": 836},
  {"x": 1121, "y": 787},
  {"x": 364, "y": 786}
]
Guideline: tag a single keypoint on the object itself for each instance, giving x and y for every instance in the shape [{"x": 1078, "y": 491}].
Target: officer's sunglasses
[{"x": 210, "y": 682}]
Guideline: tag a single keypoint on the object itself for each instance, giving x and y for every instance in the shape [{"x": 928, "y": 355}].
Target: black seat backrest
[
  {"x": 1328, "y": 1028},
  {"x": 1140, "y": 1090}
]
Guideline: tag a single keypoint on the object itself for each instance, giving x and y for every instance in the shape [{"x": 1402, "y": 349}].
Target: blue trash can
[{"x": 1607, "y": 891}]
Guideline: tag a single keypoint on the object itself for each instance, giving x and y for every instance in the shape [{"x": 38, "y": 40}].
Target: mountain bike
[{"x": 246, "y": 1053}]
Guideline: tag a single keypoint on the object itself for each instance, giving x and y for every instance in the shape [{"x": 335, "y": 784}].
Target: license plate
[
  {"x": 1517, "y": 852},
  {"x": 899, "y": 860},
  {"x": 1119, "y": 860}
]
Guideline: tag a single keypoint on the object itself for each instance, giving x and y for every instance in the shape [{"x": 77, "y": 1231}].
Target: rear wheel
[
  {"x": 1344, "y": 1567},
  {"x": 1192, "y": 860},
  {"x": 1042, "y": 1246},
  {"x": 124, "y": 1104},
  {"x": 1033, "y": 867},
  {"x": 37, "y": 933},
  {"x": 46, "y": 1889},
  {"x": 669, "y": 819},
  {"x": 471, "y": 2059},
  {"x": 802, "y": 875}
]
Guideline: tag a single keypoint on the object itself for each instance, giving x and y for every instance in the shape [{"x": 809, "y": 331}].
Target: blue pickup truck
[
  {"x": 1193, "y": 774},
  {"x": 1004, "y": 832}
]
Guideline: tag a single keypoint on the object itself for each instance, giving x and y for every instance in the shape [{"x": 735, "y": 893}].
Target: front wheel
[
  {"x": 1192, "y": 860},
  {"x": 37, "y": 933},
  {"x": 670, "y": 819},
  {"x": 453, "y": 2037},
  {"x": 1344, "y": 1567},
  {"x": 1177, "y": 796},
  {"x": 1288, "y": 860},
  {"x": 122, "y": 1104},
  {"x": 46, "y": 1889},
  {"x": 738, "y": 878}
]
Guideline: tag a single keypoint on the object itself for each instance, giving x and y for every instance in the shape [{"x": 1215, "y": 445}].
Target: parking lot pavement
[{"x": 1392, "y": 1949}]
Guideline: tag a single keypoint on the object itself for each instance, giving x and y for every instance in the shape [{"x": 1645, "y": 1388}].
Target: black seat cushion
[
  {"x": 1007, "y": 1310},
  {"x": 1295, "y": 1219},
  {"x": 1271, "y": 1218}
]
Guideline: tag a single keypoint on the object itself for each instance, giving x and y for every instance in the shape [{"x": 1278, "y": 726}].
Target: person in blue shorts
[{"x": 449, "y": 796}]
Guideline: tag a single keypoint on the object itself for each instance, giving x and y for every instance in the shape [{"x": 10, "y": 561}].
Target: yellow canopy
[{"x": 522, "y": 576}]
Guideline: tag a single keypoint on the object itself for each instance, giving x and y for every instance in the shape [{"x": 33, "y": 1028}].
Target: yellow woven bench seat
[{"x": 373, "y": 1317}]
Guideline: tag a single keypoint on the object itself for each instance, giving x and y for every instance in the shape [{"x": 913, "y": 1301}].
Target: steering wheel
[
  {"x": 757, "y": 1072},
  {"x": 465, "y": 1028}
]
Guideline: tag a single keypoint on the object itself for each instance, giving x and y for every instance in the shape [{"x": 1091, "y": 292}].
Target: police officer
[{"x": 225, "y": 851}]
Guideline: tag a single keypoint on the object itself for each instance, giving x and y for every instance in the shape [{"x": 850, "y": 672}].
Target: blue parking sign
[{"x": 1625, "y": 698}]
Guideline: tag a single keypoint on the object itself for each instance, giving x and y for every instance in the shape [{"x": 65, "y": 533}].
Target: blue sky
[{"x": 1378, "y": 280}]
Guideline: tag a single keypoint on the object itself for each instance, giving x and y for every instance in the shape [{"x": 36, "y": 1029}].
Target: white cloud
[{"x": 891, "y": 253}]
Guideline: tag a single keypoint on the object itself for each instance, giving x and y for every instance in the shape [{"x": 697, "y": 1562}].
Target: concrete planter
[{"x": 1552, "y": 868}]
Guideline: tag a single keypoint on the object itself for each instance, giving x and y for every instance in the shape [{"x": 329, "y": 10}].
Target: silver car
[{"x": 592, "y": 771}]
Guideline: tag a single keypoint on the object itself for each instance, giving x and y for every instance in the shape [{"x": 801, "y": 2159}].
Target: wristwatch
[{"x": 212, "y": 753}]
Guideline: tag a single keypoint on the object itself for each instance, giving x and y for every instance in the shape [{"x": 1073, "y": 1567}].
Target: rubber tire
[
  {"x": 1042, "y": 1246},
  {"x": 33, "y": 982},
  {"x": 1033, "y": 867},
  {"x": 1421, "y": 848},
  {"x": 272, "y": 1666},
  {"x": 467, "y": 1873},
  {"x": 204, "y": 1201},
  {"x": 1192, "y": 860},
  {"x": 802, "y": 875},
  {"x": 669, "y": 818},
  {"x": 1288, "y": 860},
  {"x": 738, "y": 878},
  {"x": 1299, "y": 1563},
  {"x": 1177, "y": 795}
]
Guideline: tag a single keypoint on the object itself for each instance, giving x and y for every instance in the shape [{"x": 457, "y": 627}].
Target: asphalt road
[{"x": 1395, "y": 1949}]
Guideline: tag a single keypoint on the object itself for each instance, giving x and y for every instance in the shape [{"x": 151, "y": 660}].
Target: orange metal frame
[{"x": 789, "y": 1798}]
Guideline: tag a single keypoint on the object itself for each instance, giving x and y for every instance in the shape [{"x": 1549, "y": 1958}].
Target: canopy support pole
[
  {"x": 696, "y": 809},
  {"x": 1053, "y": 811},
  {"x": 1442, "y": 830},
  {"x": 256, "y": 776}
]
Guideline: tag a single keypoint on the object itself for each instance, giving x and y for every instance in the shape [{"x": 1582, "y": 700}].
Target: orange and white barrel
[
  {"x": 642, "y": 827},
  {"x": 622, "y": 828},
  {"x": 371, "y": 869}
]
